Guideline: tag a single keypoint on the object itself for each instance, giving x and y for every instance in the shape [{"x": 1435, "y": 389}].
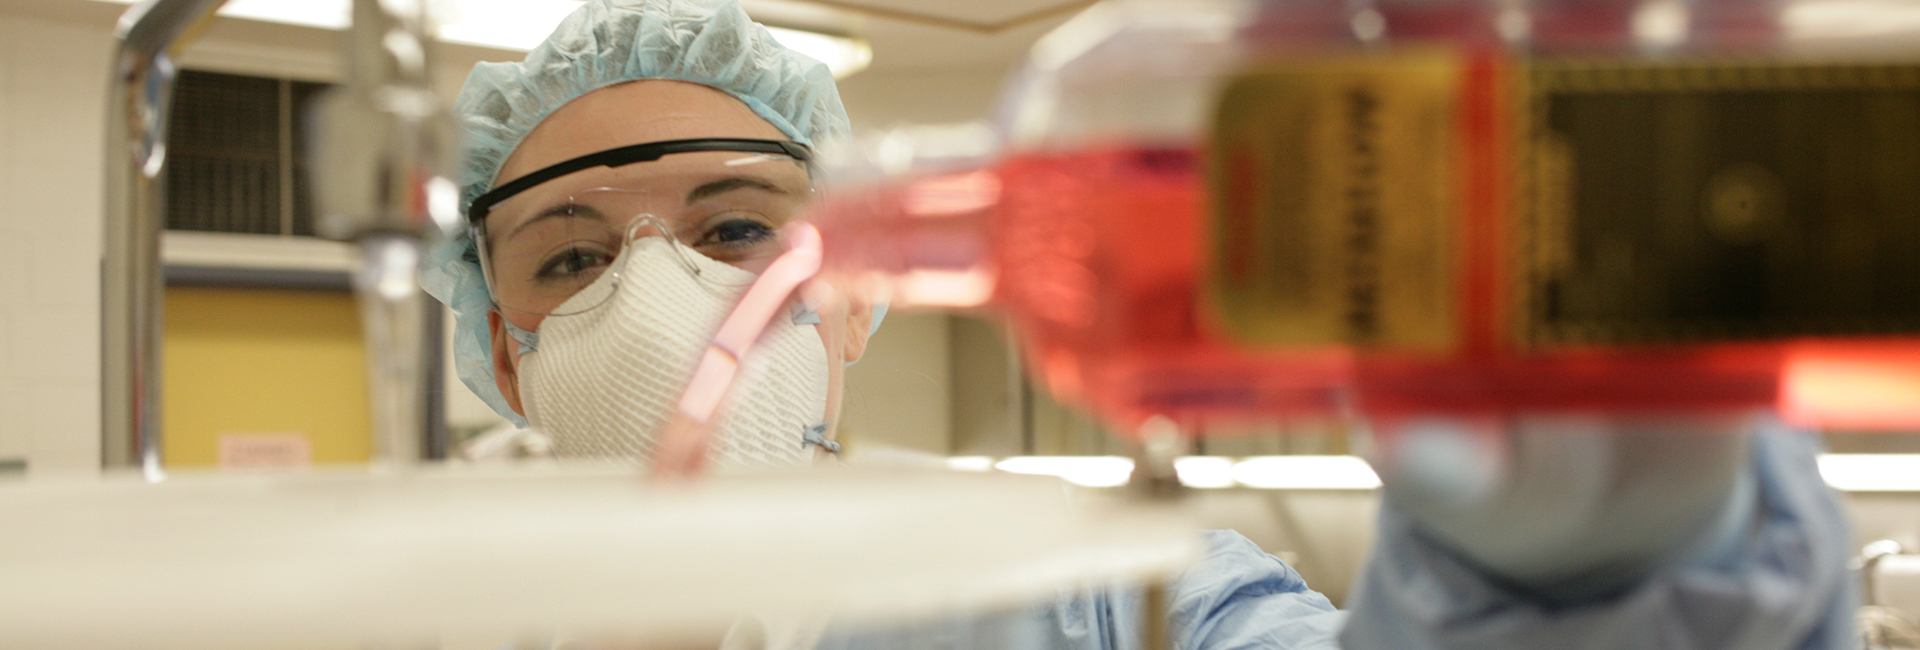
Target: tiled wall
[{"x": 52, "y": 100}]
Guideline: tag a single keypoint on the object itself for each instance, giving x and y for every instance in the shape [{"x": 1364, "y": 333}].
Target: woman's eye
[
  {"x": 572, "y": 263},
  {"x": 737, "y": 232}
]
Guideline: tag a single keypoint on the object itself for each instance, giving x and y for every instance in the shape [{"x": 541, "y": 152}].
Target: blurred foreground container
[{"x": 1213, "y": 210}]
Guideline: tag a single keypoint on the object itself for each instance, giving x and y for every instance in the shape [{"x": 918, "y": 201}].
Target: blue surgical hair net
[{"x": 607, "y": 42}]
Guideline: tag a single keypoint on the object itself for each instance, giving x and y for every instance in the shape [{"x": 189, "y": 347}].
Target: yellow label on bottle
[{"x": 1333, "y": 203}]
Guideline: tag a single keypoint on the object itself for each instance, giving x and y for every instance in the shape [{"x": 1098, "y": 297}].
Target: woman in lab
[{"x": 571, "y": 317}]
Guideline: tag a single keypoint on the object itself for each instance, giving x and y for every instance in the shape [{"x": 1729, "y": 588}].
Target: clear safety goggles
[{"x": 547, "y": 238}]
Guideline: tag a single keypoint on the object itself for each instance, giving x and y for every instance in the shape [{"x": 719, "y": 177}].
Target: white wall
[
  {"x": 53, "y": 84},
  {"x": 898, "y": 395},
  {"x": 879, "y": 99}
]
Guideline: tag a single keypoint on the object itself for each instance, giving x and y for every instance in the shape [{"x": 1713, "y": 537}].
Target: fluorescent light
[
  {"x": 1306, "y": 473},
  {"x": 1271, "y": 472},
  {"x": 1090, "y": 471},
  {"x": 520, "y": 25},
  {"x": 970, "y": 463},
  {"x": 505, "y": 24},
  {"x": 1871, "y": 472},
  {"x": 1843, "y": 19},
  {"x": 1660, "y": 24},
  {"x": 1204, "y": 471},
  {"x": 843, "y": 55},
  {"x": 325, "y": 14},
  {"x": 1849, "y": 472}
]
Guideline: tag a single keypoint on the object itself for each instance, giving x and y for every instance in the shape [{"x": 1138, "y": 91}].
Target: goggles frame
[
  {"x": 630, "y": 154},
  {"x": 615, "y": 157}
]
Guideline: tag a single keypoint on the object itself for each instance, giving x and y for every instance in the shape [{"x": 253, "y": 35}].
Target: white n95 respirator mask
[{"x": 602, "y": 381}]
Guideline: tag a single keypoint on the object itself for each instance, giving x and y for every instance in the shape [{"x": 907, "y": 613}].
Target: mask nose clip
[{"x": 660, "y": 225}]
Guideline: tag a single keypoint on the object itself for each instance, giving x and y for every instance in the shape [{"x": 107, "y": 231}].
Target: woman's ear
[
  {"x": 506, "y": 361},
  {"x": 859, "y": 328}
]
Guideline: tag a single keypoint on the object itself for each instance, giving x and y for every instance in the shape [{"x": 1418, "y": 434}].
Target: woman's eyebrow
[
  {"x": 730, "y": 184},
  {"x": 573, "y": 210}
]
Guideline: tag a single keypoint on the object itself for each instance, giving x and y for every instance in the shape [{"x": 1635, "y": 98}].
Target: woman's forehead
[{"x": 635, "y": 112}]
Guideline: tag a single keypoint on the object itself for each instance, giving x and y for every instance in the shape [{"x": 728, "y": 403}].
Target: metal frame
[{"x": 381, "y": 180}]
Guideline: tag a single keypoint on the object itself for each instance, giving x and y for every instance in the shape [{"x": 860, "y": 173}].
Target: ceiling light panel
[{"x": 520, "y": 25}]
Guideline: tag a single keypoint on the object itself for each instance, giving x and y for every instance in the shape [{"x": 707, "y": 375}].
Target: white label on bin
[{"x": 265, "y": 451}]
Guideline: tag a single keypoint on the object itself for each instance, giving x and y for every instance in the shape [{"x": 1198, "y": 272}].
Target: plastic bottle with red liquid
[{"x": 1212, "y": 209}]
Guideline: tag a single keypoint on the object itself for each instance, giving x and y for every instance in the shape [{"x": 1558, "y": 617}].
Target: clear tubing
[{"x": 684, "y": 443}]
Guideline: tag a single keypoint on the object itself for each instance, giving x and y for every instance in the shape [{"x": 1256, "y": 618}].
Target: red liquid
[
  {"x": 1095, "y": 259},
  {"x": 1098, "y": 256}
]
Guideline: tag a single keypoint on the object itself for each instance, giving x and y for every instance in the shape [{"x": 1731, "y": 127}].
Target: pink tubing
[{"x": 682, "y": 451}]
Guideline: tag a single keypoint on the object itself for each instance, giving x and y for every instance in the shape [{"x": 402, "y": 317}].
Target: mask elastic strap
[
  {"x": 683, "y": 445},
  {"x": 529, "y": 341},
  {"x": 817, "y": 435},
  {"x": 660, "y": 225},
  {"x": 804, "y": 315}
]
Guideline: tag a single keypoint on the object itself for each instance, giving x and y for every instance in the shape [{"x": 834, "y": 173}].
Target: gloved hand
[
  {"x": 1568, "y": 507},
  {"x": 1584, "y": 532}
]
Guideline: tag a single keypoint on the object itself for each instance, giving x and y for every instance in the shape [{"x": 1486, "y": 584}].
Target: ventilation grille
[{"x": 235, "y": 161}]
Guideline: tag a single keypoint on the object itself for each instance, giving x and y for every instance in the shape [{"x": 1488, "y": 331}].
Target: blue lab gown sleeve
[
  {"x": 1779, "y": 581},
  {"x": 1241, "y": 597},
  {"x": 1237, "y": 596}
]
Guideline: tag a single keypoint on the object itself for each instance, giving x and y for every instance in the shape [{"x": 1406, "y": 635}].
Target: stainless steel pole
[
  {"x": 384, "y": 151},
  {"x": 130, "y": 274}
]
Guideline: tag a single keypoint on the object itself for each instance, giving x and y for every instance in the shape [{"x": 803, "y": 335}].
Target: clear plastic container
[{"x": 1211, "y": 209}]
